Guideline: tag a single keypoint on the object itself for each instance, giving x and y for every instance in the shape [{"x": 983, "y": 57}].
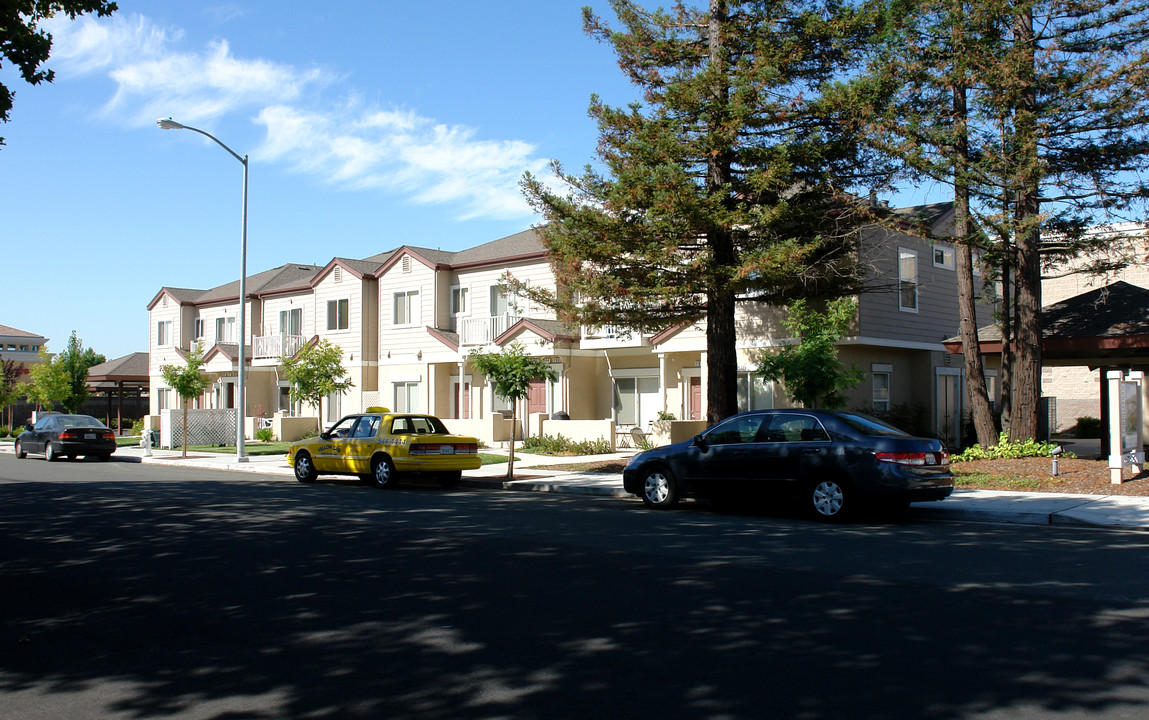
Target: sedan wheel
[
  {"x": 659, "y": 489},
  {"x": 383, "y": 472},
  {"x": 49, "y": 454},
  {"x": 19, "y": 449},
  {"x": 830, "y": 499},
  {"x": 304, "y": 470}
]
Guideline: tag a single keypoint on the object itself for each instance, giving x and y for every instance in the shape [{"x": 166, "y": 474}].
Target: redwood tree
[{"x": 726, "y": 184}]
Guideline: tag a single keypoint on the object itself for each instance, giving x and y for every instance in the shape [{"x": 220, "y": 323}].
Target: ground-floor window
[
  {"x": 334, "y": 406},
  {"x": 163, "y": 398},
  {"x": 636, "y": 400},
  {"x": 881, "y": 396},
  {"x": 406, "y": 397},
  {"x": 754, "y": 392}
]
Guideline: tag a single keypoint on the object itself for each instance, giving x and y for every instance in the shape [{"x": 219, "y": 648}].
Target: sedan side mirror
[{"x": 700, "y": 442}]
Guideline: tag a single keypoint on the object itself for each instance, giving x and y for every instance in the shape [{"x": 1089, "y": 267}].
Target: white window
[
  {"x": 406, "y": 397},
  {"x": 334, "y": 406},
  {"x": 291, "y": 322},
  {"x": 337, "y": 314},
  {"x": 406, "y": 308},
  {"x": 163, "y": 398},
  {"x": 199, "y": 328},
  {"x": 163, "y": 332},
  {"x": 908, "y": 280},
  {"x": 881, "y": 397},
  {"x": 459, "y": 300},
  {"x": 225, "y": 330},
  {"x": 944, "y": 256},
  {"x": 754, "y": 392},
  {"x": 500, "y": 301},
  {"x": 636, "y": 400}
]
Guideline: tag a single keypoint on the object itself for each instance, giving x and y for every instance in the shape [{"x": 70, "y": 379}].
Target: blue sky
[{"x": 370, "y": 124}]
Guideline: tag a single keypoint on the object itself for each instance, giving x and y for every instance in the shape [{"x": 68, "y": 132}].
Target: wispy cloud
[{"x": 343, "y": 143}]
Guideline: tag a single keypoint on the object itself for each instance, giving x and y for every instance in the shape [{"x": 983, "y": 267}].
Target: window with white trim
[
  {"x": 406, "y": 308},
  {"x": 907, "y": 280},
  {"x": 338, "y": 314},
  {"x": 164, "y": 332},
  {"x": 199, "y": 328},
  {"x": 754, "y": 392},
  {"x": 636, "y": 400},
  {"x": 406, "y": 396},
  {"x": 163, "y": 398},
  {"x": 881, "y": 391},
  {"x": 460, "y": 296},
  {"x": 225, "y": 330},
  {"x": 291, "y": 321},
  {"x": 944, "y": 257}
]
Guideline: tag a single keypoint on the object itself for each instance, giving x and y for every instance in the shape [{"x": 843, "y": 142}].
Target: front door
[
  {"x": 537, "y": 396},
  {"x": 694, "y": 399},
  {"x": 949, "y": 406}
]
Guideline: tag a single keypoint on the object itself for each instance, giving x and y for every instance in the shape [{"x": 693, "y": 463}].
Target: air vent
[
  {"x": 338, "y": 274},
  {"x": 406, "y": 263}
]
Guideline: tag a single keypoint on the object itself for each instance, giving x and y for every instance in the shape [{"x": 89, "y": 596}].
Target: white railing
[
  {"x": 273, "y": 346},
  {"x": 481, "y": 331}
]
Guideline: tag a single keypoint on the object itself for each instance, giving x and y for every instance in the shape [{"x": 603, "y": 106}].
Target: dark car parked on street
[
  {"x": 833, "y": 460},
  {"x": 67, "y": 435}
]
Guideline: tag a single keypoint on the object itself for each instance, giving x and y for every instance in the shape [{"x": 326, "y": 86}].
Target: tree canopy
[
  {"x": 316, "y": 372},
  {"x": 727, "y": 184},
  {"x": 811, "y": 371},
  {"x": 27, "y": 46},
  {"x": 188, "y": 381}
]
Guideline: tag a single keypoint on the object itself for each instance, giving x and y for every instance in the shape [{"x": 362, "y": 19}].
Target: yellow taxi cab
[{"x": 378, "y": 444}]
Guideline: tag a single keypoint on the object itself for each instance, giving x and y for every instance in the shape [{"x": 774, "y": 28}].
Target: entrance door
[
  {"x": 949, "y": 408},
  {"x": 694, "y": 398},
  {"x": 461, "y": 395},
  {"x": 537, "y": 396}
]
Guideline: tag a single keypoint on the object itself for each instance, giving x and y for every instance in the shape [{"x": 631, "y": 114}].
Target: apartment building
[{"x": 407, "y": 320}]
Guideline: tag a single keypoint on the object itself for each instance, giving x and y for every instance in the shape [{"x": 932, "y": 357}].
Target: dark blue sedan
[{"x": 833, "y": 460}]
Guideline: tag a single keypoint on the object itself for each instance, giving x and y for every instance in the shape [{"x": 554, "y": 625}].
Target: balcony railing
[
  {"x": 273, "y": 346},
  {"x": 482, "y": 331}
]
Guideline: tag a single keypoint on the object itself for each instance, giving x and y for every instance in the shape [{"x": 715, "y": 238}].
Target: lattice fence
[
  {"x": 373, "y": 398},
  {"x": 205, "y": 427}
]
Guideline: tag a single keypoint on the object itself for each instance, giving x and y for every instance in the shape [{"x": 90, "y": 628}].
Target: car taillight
[
  {"x": 69, "y": 435},
  {"x": 424, "y": 449},
  {"x": 914, "y": 458}
]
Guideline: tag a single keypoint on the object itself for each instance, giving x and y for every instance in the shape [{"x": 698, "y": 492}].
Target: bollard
[{"x": 1054, "y": 453}]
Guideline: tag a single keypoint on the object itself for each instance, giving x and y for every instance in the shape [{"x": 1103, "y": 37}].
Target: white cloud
[{"x": 345, "y": 144}]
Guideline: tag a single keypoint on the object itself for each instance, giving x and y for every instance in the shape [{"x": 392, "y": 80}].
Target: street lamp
[{"x": 169, "y": 124}]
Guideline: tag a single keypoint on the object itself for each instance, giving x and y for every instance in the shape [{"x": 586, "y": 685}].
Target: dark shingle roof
[{"x": 134, "y": 365}]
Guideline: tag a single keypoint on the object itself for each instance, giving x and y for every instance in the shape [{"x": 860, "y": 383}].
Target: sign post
[{"x": 1126, "y": 443}]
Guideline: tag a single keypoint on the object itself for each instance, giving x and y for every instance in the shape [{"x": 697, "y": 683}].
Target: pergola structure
[
  {"x": 1106, "y": 329},
  {"x": 115, "y": 377}
]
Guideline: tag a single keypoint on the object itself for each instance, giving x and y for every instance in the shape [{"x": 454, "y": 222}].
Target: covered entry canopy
[
  {"x": 1106, "y": 327},
  {"x": 127, "y": 373}
]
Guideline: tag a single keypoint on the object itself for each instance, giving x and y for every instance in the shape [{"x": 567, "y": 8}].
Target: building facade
[{"x": 406, "y": 321}]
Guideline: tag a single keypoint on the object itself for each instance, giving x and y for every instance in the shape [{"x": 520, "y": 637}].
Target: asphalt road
[{"x": 136, "y": 591}]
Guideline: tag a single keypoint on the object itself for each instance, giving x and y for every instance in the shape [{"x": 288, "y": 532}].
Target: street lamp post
[{"x": 169, "y": 124}]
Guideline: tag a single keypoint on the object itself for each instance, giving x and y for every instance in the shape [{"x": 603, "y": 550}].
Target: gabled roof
[
  {"x": 550, "y": 330},
  {"x": 128, "y": 367},
  {"x": 285, "y": 278}
]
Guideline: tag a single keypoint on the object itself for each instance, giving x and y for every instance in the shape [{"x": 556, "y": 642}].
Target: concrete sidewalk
[{"x": 533, "y": 475}]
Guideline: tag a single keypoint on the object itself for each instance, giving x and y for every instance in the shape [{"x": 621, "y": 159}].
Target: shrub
[
  {"x": 264, "y": 435},
  {"x": 1087, "y": 427},
  {"x": 548, "y": 445},
  {"x": 310, "y": 434},
  {"x": 1007, "y": 450},
  {"x": 5, "y": 431},
  {"x": 138, "y": 427},
  {"x": 663, "y": 415}
]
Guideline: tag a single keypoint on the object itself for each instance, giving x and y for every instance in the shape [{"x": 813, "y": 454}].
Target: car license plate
[
  {"x": 447, "y": 450},
  {"x": 89, "y": 436}
]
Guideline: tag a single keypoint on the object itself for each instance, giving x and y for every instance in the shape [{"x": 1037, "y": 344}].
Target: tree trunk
[
  {"x": 514, "y": 423},
  {"x": 185, "y": 442},
  {"x": 976, "y": 391},
  {"x": 1027, "y": 372}
]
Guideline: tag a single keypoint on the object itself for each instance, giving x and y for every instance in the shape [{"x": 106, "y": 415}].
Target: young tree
[
  {"x": 10, "y": 387},
  {"x": 24, "y": 44},
  {"x": 49, "y": 382},
  {"x": 511, "y": 371},
  {"x": 188, "y": 381},
  {"x": 316, "y": 372},
  {"x": 811, "y": 371},
  {"x": 75, "y": 360},
  {"x": 726, "y": 187}
]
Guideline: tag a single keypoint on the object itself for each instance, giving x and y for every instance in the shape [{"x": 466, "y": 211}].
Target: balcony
[
  {"x": 483, "y": 331},
  {"x": 276, "y": 346}
]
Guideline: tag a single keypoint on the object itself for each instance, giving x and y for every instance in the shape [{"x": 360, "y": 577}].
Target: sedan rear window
[{"x": 870, "y": 425}]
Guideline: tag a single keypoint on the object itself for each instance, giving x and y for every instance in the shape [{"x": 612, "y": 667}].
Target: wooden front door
[{"x": 537, "y": 396}]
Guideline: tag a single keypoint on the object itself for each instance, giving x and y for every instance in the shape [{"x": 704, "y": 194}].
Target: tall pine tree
[{"x": 728, "y": 182}]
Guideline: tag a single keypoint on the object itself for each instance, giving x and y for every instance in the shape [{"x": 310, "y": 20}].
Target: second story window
[
  {"x": 198, "y": 328},
  {"x": 291, "y": 322},
  {"x": 944, "y": 257},
  {"x": 337, "y": 314},
  {"x": 164, "y": 332},
  {"x": 459, "y": 300},
  {"x": 907, "y": 280},
  {"x": 406, "y": 308},
  {"x": 225, "y": 330}
]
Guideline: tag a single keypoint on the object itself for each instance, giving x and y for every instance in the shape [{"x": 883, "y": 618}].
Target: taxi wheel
[
  {"x": 451, "y": 479},
  {"x": 383, "y": 472},
  {"x": 304, "y": 469}
]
